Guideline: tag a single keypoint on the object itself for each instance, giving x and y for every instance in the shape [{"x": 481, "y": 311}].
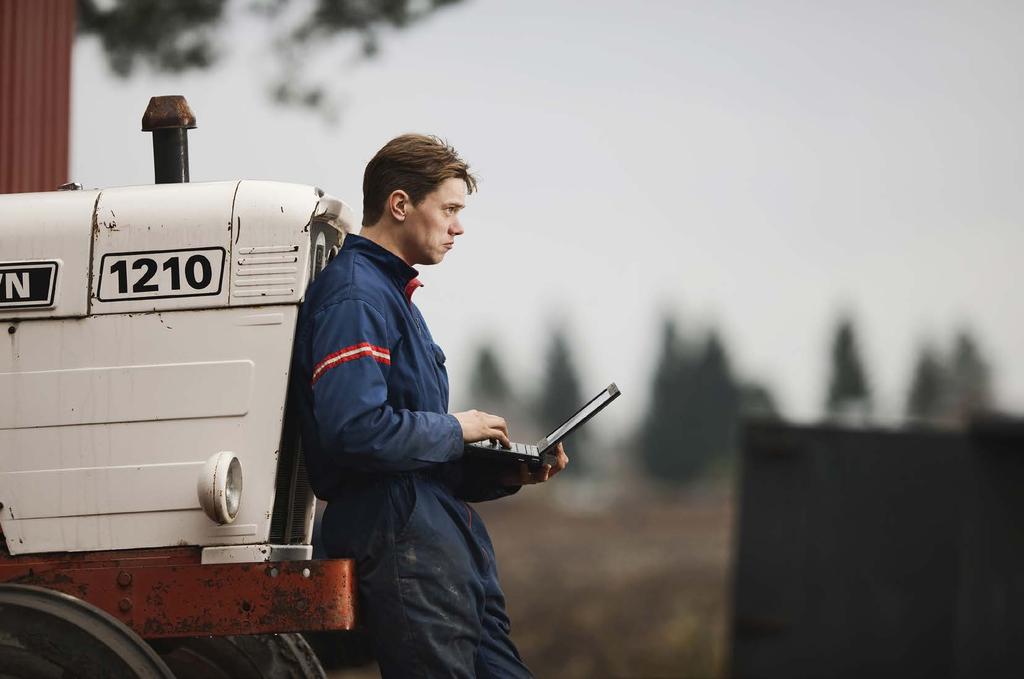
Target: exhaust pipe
[{"x": 169, "y": 119}]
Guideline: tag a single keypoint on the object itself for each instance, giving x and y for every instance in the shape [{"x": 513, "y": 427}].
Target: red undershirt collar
[{"x": 410, "y": 288}]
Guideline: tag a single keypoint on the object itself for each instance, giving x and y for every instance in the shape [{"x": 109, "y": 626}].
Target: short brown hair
[{"x": 414, "y": 163}]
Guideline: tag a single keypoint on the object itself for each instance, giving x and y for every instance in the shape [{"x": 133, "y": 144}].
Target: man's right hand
[{"x": 480, "y": 426}]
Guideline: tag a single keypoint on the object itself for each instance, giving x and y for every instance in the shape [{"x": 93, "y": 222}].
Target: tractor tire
[
  {"x": 257, "y": 656},
  {"x": 46, "y": 634}
]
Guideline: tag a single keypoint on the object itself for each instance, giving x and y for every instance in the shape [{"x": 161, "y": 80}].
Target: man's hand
[
  {"x": 480, "y": 426},
  {"x": 523, "y": 476}
]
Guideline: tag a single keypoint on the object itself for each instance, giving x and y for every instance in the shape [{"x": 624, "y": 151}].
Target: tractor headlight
[
  {"x": 220, "y": 487},
  {"x": 233, "y": 487}
]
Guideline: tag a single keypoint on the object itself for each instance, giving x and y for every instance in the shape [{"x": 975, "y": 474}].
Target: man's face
[{"x": 431, "y": 226}]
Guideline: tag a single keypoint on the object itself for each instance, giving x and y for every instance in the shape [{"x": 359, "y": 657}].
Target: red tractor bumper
[{"x": 169, "y": 593}]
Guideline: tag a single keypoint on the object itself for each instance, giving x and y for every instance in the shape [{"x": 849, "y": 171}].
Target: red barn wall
[{"x": 35, "y": 93}]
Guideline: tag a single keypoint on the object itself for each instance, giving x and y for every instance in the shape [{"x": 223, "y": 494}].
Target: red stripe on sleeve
[{"x": 351, "y": 353}]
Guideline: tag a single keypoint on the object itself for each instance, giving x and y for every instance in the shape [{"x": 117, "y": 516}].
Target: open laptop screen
[{"x": 582, "y": 415}]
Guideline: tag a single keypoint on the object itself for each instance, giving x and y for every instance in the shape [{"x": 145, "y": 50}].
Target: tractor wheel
[
  {"x": 257, "y": 656},
  {"x": 46, "y": 634}
]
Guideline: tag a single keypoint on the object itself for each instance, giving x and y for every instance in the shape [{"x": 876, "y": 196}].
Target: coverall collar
[{"x": 394, "y": 266}]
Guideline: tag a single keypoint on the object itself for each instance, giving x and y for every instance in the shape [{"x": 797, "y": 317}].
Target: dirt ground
[{"x": 635, "y": 590}]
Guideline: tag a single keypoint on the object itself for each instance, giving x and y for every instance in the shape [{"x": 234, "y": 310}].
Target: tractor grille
[
  {"x": 269, "y": 268},
  {"x": 268, "y": 271},
  {"x": 293, "y": 499}
]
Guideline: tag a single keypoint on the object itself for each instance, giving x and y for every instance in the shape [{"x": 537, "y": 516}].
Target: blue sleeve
[{"x": 351, "y": 350}]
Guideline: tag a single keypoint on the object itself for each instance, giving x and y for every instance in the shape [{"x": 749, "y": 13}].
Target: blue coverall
[{"x": 381, "y": 448}]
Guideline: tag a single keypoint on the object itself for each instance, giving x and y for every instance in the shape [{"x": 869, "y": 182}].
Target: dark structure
[{"x": 879, "y": 553}]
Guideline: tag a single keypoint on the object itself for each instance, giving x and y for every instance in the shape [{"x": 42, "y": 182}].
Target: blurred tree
[
  {"x": 713, "y": 413},
  {"x": 928, "y": 397},
  {"x": 694, "y": 411},
  {"x": 561, "y": 396},
  {"x": 181, "y": 35},
  {"x": 849, "y": 398},
  {"x": 970, "y": 379},
  {"x": 756, "y": 401},
  {"x": 169, "y": 36},
  {"x": 661, "y": 439},
  {"x": 488, "y": 385}
]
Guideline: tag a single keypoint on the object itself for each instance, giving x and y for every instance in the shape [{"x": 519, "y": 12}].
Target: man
[{"x": 380, "y": 445}]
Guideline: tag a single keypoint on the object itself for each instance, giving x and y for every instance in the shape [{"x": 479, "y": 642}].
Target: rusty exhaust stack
[{"x": 169, "y": 119}]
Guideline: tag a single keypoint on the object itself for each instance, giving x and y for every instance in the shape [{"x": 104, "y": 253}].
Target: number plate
[{"x": 159, "y": 274}]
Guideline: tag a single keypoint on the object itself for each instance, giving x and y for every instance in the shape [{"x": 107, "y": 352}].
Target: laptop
[{"x": 536, "y": 455}]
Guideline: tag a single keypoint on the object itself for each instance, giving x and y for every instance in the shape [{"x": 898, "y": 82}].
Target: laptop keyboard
[
  {"x": 524, "y": 449},
  {"x": 520, "y": 448}
]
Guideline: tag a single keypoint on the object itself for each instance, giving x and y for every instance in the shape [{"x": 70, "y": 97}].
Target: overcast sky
[{"x": 755, "y": 166}]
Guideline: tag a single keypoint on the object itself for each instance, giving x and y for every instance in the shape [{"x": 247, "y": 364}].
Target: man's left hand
[{"x": 524, "y": 476}]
